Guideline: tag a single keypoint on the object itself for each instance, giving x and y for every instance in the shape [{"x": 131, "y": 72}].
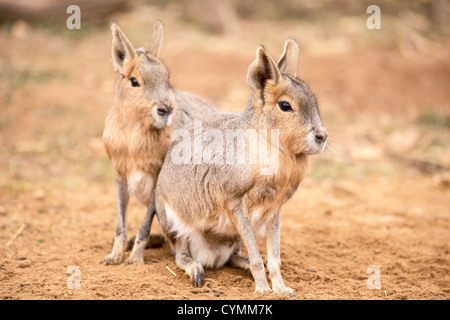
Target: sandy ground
[{"x": 379, "y": 197}]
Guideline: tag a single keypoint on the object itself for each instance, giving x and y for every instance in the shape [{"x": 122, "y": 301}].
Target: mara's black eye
[
  {"x": 134, "y": 82},
  {"x": 285, "y": 106}
]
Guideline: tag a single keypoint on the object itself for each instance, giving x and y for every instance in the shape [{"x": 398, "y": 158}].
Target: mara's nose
[
  {"x": 164, "y": 110},
  {"x": 321, "y": 136}
]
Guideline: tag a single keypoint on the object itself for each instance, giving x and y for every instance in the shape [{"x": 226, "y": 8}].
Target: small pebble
[
  {"x": 199, "y": 290},
  {"x": 25, "y": 264}
]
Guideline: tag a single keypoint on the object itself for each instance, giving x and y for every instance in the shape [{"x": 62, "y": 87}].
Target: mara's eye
[
  {"x": 285, "y": 106},
  {"x": 134, "y": 82}
]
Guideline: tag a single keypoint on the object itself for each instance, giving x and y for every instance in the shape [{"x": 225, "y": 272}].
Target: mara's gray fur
[
  {"x": 138, "y": 129},
  {"x": 207, "y": 210}
]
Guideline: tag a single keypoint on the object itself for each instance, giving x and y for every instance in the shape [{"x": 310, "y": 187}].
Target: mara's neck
[
  {"x": 253, "y": 118},
  {"x": 250, "y": 117}
]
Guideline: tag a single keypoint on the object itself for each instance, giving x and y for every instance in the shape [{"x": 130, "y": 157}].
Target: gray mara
[{"x": 208, "y": 209}]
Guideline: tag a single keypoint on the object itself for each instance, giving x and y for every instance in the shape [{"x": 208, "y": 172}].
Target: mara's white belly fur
[
  {"x": 209, "y": 255},
  {"x": 141, "y": 186}
]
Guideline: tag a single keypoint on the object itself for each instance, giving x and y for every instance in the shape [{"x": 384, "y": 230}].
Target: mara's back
[{"x": 192, "y": 107}]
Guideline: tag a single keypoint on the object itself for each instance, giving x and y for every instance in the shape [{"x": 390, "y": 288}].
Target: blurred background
[
  {"x": 383, "y": 93},
  {"x": 384, "y": 98}
]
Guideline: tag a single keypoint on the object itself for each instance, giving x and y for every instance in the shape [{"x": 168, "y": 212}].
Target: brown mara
[{"x": 138, "y": 129}]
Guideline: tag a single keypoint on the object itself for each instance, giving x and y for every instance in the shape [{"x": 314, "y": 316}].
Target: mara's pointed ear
[
  {"x": 157, "y": 39},
  {"x": 288, "y": 61},
  {"x": 261, "y": 70},
  {"x": 122, "y": 49}
]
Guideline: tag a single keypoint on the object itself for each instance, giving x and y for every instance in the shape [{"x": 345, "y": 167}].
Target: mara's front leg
[
  {"x": 141, "y": 239},
  {"x": 273, "y": 256},
  {"x": 256, "y": 263},
  {"x": 121, "y": 229}
]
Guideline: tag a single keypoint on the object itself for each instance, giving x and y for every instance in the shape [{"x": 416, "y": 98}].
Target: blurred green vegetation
[{"x": 434, "y": 117}]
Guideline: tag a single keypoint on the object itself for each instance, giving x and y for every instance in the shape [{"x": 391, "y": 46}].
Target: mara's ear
[
  {"x": 122, "y": 49},
  {"x": 260, "y": 71},
  {"x": 288, "y": 61},
  {"x": 157, "y": 39}
]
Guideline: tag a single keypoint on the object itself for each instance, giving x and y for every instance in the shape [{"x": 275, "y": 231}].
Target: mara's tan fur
[
  {"x": 138, "y": 129},
  {"x": 131, "y": 142}
]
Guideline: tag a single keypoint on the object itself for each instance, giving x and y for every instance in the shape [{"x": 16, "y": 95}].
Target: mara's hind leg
[{"x": 184, "y": 260}]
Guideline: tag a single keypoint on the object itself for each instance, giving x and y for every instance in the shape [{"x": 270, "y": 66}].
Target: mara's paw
[
  {"x": 112, "y": 259},
  {"x": 262, "y": 291},
  {"x": 197, "y": 275}
]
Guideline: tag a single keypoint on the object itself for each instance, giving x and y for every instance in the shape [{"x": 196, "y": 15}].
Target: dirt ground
[{"x": 380, "y": 196}]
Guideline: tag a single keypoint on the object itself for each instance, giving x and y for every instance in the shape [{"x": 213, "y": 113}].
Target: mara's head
[
  {"x": 142, "y": 90},
  {"x": 282, "y": 101}
]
